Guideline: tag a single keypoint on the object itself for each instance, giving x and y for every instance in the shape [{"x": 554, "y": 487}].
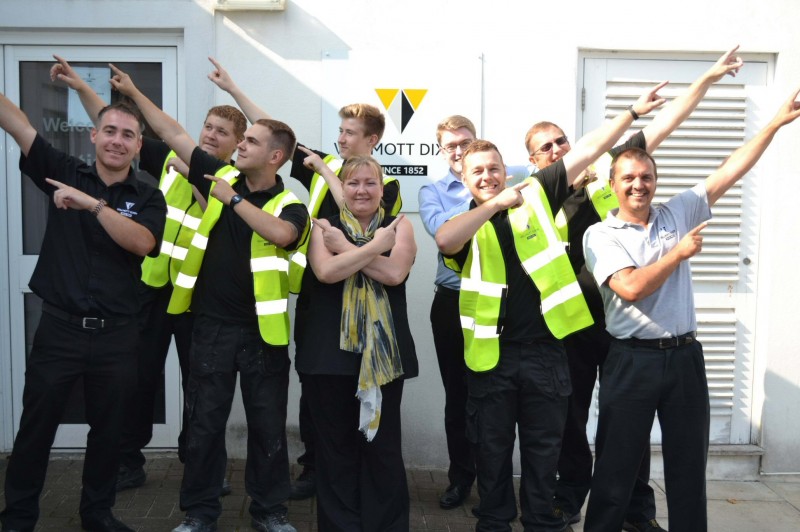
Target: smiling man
[
  {"x": 360, "y": 130},
  {"x": 587, "y": 349},
  {"x": 639, "y": 256},
  {"x": 101, "y": 224},
  {"x": 222, "y": 130},
  {"x": 235, "y": 280}
]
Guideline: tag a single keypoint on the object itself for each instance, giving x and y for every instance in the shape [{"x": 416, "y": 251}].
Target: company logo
[
  {"x": 401, "y": 104},
  {"x": 127, "y": 212},
  {"x": 129, "y": 204}
]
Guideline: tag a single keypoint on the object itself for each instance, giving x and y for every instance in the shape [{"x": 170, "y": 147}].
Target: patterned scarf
[{"x": 367, "y": 327}]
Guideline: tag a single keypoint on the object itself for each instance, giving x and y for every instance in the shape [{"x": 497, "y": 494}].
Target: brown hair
[
  {"x": 369, "y": 115},
  {"x": 535, "y": 128},
  {"x": 123, "y": 107},
  {"x": 451, "y": 123},
  {"x": 283, "y": 137},
  {"x": 635, "y": 154},
  {"x": 477, "y": 146},
  {"x": 229, "y": 112}
]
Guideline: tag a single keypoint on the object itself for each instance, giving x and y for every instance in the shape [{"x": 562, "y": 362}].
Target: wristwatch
[{"x": 236, "y": 200}]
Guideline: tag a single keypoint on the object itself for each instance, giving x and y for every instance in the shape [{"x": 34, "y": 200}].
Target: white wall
[{"x": 531, "y": 54}]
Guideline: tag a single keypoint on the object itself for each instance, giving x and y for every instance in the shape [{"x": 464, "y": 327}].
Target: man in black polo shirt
[
  {"x": 102, "y": 222},
  {"x": 235, "y": 278}
]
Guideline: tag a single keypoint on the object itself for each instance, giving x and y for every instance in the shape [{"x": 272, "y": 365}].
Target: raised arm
[
  {"x": 454, "y": 233},
  {"x": 634, "y": 284},
  {"x": 164, "y": 125},
  {"x": 602, "y": 139},
  {"x": 220, "y": 77},
  {"x": 90, "y": 100},
  {"x": 331, "y": 268},
  {"x": 314, "y": 162},
  {"x": 743, "y": 159},
  {"x": 16, "y": 124},
  {"x": 665, "y": 122}
]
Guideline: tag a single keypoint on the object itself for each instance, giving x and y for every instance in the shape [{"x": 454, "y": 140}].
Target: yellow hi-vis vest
[
  {"x": 299, "y": 261},
  {"x": 268, "y": 262},
  {"x": 602, "y": 197},
  {"x": 484, "y": 287},
  {"x": 183, "y": 218}
]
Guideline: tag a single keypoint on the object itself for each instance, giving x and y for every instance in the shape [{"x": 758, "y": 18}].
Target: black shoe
[
  {"x": 226, "y": 487},
  {"x": 454, "y": 496},
  {"x": 130, "y": 478},
  {"x": 106, "y": 523},
  {"x": 643, "y": 526},
  {"x": 277, "y": 522},
  {"x": 195, "y": 524},
  {"x": 305, "y": 486}
]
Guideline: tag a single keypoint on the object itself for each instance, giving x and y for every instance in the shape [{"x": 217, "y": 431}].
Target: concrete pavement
[{"x": 769, "y": 504}]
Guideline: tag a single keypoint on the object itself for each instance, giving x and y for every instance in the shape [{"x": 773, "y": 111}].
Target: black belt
[
  {"x": 664, "y": 343},
  {"x": 84, "y": 322},
  {"x": 446, "y": 291}
]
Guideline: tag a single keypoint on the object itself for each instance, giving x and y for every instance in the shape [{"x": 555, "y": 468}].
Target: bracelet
[
  {"x": 99, "y": 207},
  {"x": 633, "y": 113}
]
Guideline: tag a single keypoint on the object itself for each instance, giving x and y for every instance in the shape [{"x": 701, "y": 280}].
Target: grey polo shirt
[{"x": 612, "y": 245}]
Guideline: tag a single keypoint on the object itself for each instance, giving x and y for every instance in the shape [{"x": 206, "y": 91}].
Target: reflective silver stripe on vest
[
  {"x": 300, "y": 259},
  {"x": 484, "y": 288},
  {"x": 185, "y": 281},
  {"x": 267, "y": 308},
  {"x": 478, "y": 331},
  {"x": 560, "y": 296},
  {"x": 179, "y": 252},
  {"x": 199, "y": 241},
  {"x": 168, "y": 180},
  {"x": 174, "y": 213},
  {"x": 263, "y": 264},
  {"x": 166, "y": 247},
  {"x": 192, "y": 222}
]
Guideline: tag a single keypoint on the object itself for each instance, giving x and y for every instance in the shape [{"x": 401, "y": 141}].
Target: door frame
[{"x": 15, "y": 272}]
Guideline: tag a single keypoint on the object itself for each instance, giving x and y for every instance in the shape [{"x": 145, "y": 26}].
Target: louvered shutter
[{"x": 692, "y": 152}]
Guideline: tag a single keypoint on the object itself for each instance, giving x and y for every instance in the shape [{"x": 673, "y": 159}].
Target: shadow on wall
[{"x": 780, "y": 425}]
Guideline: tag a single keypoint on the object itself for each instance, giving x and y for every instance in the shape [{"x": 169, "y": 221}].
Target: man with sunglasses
[
  {"x": 586, "y": 350},
  {"x": 438, "y": 202}
]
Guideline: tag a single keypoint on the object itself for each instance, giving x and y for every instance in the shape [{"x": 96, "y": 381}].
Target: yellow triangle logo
[
  {"x": 387, "y": 96},
  {"x": 415, "y": 96}
]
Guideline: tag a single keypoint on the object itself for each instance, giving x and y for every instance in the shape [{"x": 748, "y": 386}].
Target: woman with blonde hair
[{"x": 355, "y": 349}]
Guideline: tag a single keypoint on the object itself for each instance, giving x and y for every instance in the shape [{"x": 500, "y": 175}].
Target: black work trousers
[
  {"x": 586, "y": 352},
  {"x": 156, "y": 329},
  {"x": 639, "y": 382},
  {"x": 361, "y": 485},
  {"x": 448, "y": 339},
  {"x": 307, "y": 433},
  {"x": 527, "y": 391},
  {"x": 62, "y": 352},
  {"x": 219, "y": 352}
]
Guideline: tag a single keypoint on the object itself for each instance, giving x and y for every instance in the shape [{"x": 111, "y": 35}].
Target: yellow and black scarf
[{"x": 367, "y": 327}]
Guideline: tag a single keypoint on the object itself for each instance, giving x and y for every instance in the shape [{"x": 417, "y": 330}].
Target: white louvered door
[{"x": 724, "y": 275}]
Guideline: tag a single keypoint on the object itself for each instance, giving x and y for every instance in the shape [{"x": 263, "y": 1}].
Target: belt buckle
[
  {"x": 666, "y": 343},
  {"x": 92, "y": 323}
]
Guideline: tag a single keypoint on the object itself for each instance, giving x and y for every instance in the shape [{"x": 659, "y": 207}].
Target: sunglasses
[{"x": 547, "y": 146}]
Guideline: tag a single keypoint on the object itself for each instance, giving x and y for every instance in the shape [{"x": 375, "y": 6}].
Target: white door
[
  {"x": 56, "y": 113},
  {"x": 724, "y": 276}
]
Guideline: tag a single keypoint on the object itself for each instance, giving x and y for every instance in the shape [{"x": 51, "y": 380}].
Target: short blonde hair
[
  {"x": 370, "y": 116},
  {"x": 452, "y": 123}
]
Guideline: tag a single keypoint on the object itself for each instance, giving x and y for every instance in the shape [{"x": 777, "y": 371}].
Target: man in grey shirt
[{"x": 639, "y": 257}]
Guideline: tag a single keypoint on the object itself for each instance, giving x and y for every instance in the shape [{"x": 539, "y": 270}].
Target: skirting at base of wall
[{"x": 725, "y": 462}]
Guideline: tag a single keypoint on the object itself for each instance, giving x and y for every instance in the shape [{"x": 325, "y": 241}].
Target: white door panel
[{"x": 724, "y": 281}]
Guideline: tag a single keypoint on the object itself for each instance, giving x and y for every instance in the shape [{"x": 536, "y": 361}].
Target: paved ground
[{"x": 733, "y": 506}]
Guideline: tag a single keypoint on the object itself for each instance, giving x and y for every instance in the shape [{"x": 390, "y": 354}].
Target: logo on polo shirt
[{"x": 128, "y": 210}]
